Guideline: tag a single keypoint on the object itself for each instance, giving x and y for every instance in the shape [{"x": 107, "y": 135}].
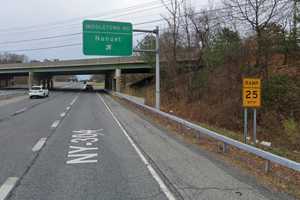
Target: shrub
[{"x": 281, "y": 94}]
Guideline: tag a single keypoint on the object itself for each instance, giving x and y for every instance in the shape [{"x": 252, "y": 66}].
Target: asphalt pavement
[{"x": 77, "y": 145}]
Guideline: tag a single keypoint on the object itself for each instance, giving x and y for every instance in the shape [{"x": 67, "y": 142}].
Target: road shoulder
[{"x": 196, "y": 174}]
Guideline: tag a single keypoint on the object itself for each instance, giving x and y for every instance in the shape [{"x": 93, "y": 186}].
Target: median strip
[
  {"x": 7, "y": 187},
  {"x": 39, "y": 144}
]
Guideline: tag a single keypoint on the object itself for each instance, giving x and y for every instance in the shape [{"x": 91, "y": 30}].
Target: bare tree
[
  {"x": 258, "y": 14},
  {"x": 186, "y": 24},
  {"x": 295, "y": 22},
  {"x": 174, "y": 9},
  {"x": 7, "y": 58},
  {"x": 202, "y": 27}
]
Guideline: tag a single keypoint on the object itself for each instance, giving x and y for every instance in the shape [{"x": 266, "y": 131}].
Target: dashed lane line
[
  {"x": 39, "y": 144},
  {"x": 154, "y": 174},
  {"x": 7, "y": 187},
  {"x": 69, "y": 107},
  {"x": 55, "y": 124},
  {"x": 74, "y": 100},
  {"x": 11, "y": 182},
  {"x": 63, "y": 114}
]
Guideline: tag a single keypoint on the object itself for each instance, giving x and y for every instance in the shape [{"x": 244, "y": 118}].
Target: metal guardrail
[
  {"x": 8, "y": 96},
  {"x": 245, "y": 147}
]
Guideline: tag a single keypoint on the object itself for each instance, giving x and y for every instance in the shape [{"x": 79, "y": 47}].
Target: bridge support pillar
[
  {"x": 118, "y": 80},
  {"x": 51, "y": 84},
  {"x": 123, "y": 82},
  {"x": 109, "y": 81},
  {"x": 44, "y": 83},
  {"x": 30, "y": 79},
  {"x": 48, "y": 84}
]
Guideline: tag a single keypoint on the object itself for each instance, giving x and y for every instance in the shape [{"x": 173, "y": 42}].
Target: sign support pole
[
  {"x": 157, "y": 67},
  {"x": 157, "y": 71},
  {"x": 251, "y": 99},
  {"x": 93, "y": 44},
  {"x": 254, "y": 126},
  {"x": 245, "y": 125}
]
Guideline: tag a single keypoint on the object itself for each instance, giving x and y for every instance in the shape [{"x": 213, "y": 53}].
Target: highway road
[{"x": 77, "y": 145}]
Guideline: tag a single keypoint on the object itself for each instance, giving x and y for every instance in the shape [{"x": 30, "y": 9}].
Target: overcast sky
[{"x": 30, "y": 19}]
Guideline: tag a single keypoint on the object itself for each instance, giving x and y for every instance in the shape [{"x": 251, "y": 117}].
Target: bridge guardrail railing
[{"x": 201, "y": 130}]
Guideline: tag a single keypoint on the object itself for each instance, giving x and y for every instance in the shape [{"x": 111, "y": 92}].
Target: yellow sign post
[
  {"x": 251, "y": 99},
  {"x": 251, "y": 92}
]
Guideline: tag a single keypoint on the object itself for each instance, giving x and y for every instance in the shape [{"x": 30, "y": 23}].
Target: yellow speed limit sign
[{"x": 251, "y": 92}]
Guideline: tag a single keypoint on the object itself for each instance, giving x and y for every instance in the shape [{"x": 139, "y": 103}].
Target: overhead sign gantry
[{"x": 107, "y": 38}]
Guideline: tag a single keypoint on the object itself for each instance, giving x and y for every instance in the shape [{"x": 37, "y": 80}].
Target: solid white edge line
[
  {"x": 39, "y": 144},
  {"x": 7, "y": 187},
  {"x": 154, "y": 174},
  {"x": 55, "y": 124},
  {"x": 62, "y": 114}
]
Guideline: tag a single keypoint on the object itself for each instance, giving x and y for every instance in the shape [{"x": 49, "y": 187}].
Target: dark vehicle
[{"x": 88, "y": 88}]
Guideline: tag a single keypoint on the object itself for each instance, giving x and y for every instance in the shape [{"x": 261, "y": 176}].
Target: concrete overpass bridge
[{"x": 43, "y": 72}]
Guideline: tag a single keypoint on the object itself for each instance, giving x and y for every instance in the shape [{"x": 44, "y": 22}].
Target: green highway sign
[{"x": 107, "y": 38}]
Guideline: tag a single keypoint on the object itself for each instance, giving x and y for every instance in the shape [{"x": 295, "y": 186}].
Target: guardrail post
[
  {"x": 267, "y": 166},
  {"x": 225, "y": 147}
]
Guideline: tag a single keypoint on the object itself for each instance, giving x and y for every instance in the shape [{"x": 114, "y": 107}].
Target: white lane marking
[
  {"x": 81, "y": 158},
  {"x": 68, "y": 108},
  {"x": 55, "y": 124},
  {"x": 90, "y": 132},
  {"x": 39, "y": 144},
  {"x": 154, "y": 174},
  {"x": 7, "y": 187},
  {"x": 63, "y": 114},
  {"x": 74, "y": 100},
  {"x": 84, "y": 137}
]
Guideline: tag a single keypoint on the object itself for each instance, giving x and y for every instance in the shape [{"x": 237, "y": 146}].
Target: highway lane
[
  {"x": 101, "y": 150},
  {"x": 20, "y": 133},
  {"x": 24, "y": 104},
  {"x": 88, "y": 157}
]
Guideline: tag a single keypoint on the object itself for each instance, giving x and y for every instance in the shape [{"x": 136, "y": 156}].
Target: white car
[{"x": 38, "y": 91}]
